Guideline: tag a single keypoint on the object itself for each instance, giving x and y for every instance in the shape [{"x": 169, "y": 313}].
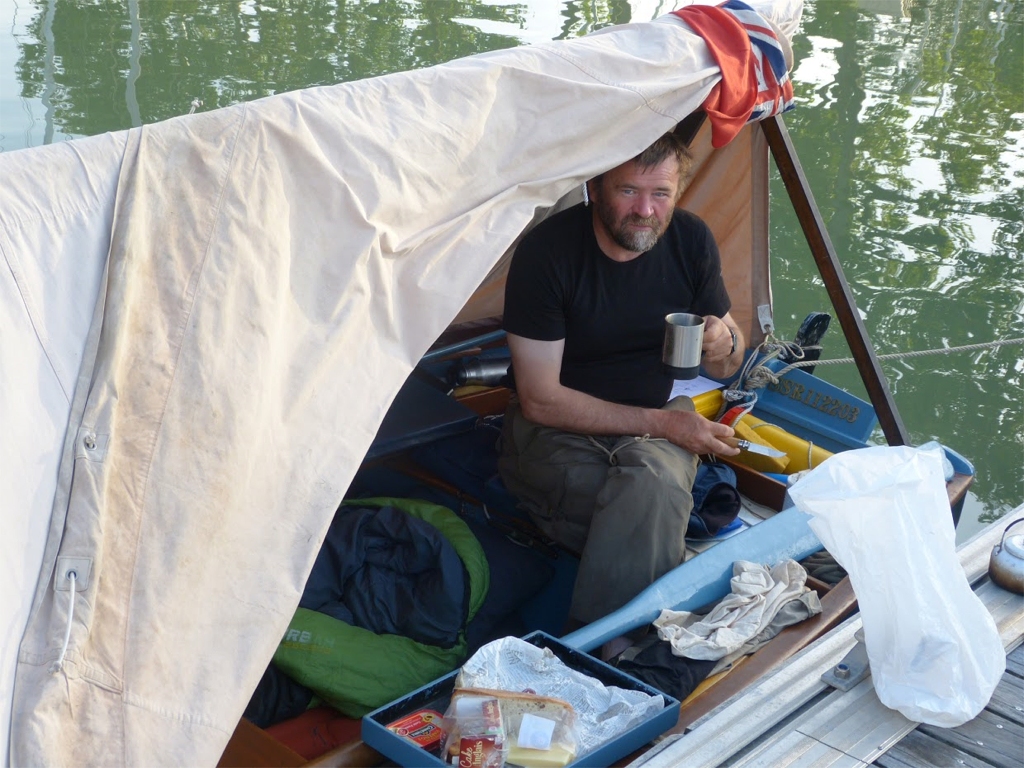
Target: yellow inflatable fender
[{"x": 802, "y": 453}]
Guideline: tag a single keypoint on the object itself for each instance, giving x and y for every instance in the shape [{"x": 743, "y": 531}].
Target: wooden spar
[{"x": 835, "y": 282}]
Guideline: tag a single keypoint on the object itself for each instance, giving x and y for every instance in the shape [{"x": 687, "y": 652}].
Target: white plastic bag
[{"x": 883, "y": 513}]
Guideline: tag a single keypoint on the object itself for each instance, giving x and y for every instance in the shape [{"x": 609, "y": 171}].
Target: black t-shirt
[{"x": 611, "y": 314}]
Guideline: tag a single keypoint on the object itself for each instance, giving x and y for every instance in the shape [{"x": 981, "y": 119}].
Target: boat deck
[{"x": 994, "y": 738}]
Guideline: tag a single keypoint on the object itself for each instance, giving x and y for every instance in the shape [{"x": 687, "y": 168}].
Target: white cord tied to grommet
[
  {"x": 611, "y": 453},
  {"x": 58, "y": 665}
]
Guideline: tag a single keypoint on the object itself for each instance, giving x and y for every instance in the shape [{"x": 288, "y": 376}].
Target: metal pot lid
[{"x": 1014, "y": 545}]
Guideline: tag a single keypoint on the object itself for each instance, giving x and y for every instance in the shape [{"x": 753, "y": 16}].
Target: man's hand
[
  {"x": 696, "y": 434},
  {"x": 717, "y": 339},
  {"x": 719, "y": 358}
]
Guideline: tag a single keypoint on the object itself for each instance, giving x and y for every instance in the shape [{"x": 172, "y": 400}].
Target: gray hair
[
  {"x": 668, "y": 145},
  {"x": 671, "y": 144}
]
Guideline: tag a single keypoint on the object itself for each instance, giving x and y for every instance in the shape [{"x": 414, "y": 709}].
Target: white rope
[
  {"x": 611, "y": 453},
  {"x": 58, "y": 665},
  {"x": 899, "y": 355},
  {"x": 755, "y": 374}
]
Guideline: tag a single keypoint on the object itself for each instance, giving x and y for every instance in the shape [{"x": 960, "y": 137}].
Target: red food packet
[
  {"x": 476, "y": 736},
  {"x": 422, "y": 727},
  {"x": 479, "y": 752}
]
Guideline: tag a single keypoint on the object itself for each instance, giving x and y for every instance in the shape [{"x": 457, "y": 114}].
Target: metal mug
[{"x": 684, "y": 336}]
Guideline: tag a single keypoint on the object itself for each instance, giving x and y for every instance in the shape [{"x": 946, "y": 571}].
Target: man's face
[{"x": 634, "y": 205}]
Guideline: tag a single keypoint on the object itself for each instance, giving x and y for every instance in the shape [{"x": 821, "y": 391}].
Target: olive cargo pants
[{"x": 622, "y": 502}]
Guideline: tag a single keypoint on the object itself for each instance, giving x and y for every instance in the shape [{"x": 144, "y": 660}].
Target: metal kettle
[{"x": 1006, "y": 565}]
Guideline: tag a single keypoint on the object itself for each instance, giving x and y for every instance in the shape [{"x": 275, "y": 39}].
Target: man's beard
[{"x": 633, "y": 240}]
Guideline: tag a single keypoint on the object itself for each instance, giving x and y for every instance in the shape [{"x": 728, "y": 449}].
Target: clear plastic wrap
[
  {"x": 484, "y": 726},
  {"x": 474, "y": 732},
  {"x": 602, "y": 711}
]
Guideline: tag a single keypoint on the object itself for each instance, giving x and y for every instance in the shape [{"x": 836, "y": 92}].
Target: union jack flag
[{"x": 755, "y": 81}]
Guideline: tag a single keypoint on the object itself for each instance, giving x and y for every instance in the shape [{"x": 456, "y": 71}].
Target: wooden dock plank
[
  {"x": 988, "y": 737},
  {"x": 919, "y": 750},
  {"x": 1008, "y": 699},
  {"x": 1007, "y": 611},
  {"x": 1015, "y": 661},
  {"x": 994, "y": 738}
]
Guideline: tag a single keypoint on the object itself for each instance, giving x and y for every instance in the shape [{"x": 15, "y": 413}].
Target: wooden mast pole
[{"x": 835, "y": 282}]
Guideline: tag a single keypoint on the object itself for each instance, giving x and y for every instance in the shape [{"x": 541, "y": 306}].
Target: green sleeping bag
[{"x": 355, "y": 670}]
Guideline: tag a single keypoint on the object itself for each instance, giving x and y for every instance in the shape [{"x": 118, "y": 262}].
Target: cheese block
[
  {"x": 556, "y": 756},
  {"x": 514, "y": 706}
]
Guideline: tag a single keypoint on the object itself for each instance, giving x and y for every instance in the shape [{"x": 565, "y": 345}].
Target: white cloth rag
[{"x": 758, "y": 594}]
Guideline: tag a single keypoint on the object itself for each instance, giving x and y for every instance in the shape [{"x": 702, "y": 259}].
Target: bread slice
[
  {"x": 513, "y": 706},
  {"x": 518, "y": 704}
]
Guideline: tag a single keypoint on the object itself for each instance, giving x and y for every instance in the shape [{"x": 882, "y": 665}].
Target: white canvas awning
[{"x": 203, "y": 323}]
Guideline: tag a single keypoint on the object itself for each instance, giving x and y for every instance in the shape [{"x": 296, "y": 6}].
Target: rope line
[
  {"x": 755, "y": 375},
  {"x": 899, "y": 355}
]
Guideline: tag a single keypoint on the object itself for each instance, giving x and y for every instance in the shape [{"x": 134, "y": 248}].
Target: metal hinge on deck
[{"x": 852, "y": 669}]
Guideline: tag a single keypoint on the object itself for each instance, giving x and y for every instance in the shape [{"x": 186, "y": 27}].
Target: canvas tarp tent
[{"x": 203, "y": 323}]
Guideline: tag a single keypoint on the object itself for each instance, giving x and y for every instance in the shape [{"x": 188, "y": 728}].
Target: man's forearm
[
  {"x": 546, "y": 401},
  {"x": 575, "y": 411}
]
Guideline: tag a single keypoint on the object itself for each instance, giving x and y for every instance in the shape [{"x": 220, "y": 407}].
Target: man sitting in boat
[{"x": 590, "y": 445}]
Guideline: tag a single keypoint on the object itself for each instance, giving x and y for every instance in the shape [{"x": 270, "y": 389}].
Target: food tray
[{"x": 437, "y": 695}]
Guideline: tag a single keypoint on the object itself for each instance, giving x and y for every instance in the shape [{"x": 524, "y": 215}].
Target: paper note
[
  {"x": 535, "y": 732},
  {"x": 694, "y": 387}
]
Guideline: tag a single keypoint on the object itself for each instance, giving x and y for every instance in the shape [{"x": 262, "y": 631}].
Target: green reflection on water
[
  {"x": 226, "y": 52},
  {"x": 910, "y": 125},
  {"x": 913, "y": 146}
]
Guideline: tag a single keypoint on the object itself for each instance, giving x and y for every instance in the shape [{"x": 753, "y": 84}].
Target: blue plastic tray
[{"x": 437, "y": 695}]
